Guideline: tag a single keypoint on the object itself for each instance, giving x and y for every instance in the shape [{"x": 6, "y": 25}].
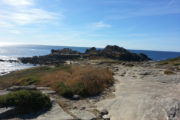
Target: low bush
[
  {"x": 86, "y": 81},
  {"x": 26, "y": 101}
]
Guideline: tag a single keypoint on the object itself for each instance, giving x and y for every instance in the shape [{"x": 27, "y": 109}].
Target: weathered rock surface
[
  {"x": 143, "y": 96},
  {"x": 83, "y": 114},
  {"x": 56, "y": 113}
]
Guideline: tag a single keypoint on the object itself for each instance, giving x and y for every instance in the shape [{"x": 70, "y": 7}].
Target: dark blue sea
[{"x": 12, "y": 52}]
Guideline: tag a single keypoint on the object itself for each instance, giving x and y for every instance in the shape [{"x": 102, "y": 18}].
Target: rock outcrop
[
  {"x": 48, "y": 59},
  {"x": 117, "y": 53},
  {"x": 60, "y": 56}
]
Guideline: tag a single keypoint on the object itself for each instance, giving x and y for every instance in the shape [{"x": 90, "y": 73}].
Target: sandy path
[{"x": 144, "y": 93}]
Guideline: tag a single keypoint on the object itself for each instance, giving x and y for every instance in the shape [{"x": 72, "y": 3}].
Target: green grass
[
  {"x": 30, "y": 80},
  {"x": 29, "y": 76},
  {"x": 26, "y": 101}
]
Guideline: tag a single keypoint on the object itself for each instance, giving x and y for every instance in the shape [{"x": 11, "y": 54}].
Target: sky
[{"x": 132, "y": 24}]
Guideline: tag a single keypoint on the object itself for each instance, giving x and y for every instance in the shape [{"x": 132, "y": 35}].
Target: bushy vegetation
[
  {"x": 26, "y": 101},
  {"x": 66, "y": 80},
  {"x": 87, "y": 81}
]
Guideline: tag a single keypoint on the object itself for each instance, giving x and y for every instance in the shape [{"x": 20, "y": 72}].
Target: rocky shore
[
  {"x": 58, "y": 57},
  {"x": 142, "y": 91}
]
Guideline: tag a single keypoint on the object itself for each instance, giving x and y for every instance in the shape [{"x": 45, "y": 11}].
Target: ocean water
[{"x": 13, "y": 52}]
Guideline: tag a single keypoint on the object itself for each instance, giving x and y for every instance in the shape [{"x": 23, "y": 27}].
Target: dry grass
[
  {"x": 66, "y": 80},
  {"x": 168, "y": 72},
  {"x": 85, "y": 81}
]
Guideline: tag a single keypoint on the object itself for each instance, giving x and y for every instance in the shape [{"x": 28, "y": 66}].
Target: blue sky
[{"x": 133, "y": 24}]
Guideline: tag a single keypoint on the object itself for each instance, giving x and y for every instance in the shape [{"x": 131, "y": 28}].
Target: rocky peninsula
[{"x": 60, "y": 56}]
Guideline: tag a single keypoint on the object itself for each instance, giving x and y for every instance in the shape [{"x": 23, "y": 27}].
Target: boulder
[
  {"x": 76, "y": 97},
  {"x": 104, "y": 112}
]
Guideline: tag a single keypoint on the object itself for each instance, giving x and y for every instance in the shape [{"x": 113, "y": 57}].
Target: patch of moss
[{"x": 31, "y": 80}]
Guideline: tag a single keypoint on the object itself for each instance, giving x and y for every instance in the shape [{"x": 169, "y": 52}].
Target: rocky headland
[{"x": 60, "y": 56}]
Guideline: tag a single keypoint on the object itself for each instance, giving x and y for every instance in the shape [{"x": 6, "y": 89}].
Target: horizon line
[{"x": 84, "y": 47}]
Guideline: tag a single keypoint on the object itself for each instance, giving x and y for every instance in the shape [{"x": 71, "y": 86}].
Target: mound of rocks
[{"x": 117, "y": 53}]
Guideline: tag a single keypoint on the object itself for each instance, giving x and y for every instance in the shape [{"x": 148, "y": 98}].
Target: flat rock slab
[
  {"x": 3, "y": 92},
  {"x": 83, "y": 114},
  {"x": 43, "y": 88},
  {"x": 56, "y": 113},
  {"x": 48, "y": 92}
]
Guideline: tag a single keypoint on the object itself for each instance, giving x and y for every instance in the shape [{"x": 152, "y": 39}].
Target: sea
[{"x": 14, "y": 51}]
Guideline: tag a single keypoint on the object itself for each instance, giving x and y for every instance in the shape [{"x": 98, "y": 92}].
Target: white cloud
[
  {"x": 18, "y": 3},
  {"x": 29, "y": 16},
  {"x": 17, "y": 15},
  {"x": 100, "y": 25}
]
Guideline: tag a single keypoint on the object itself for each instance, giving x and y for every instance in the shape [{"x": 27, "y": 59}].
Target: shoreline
[{"x": 133, "y": 81}]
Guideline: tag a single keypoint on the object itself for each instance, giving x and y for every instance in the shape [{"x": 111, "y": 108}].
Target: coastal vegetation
[
  {"x": 66, "y": 80},
  {"x": 174, "y": 62},
  {"x": 25, "y": 101}
]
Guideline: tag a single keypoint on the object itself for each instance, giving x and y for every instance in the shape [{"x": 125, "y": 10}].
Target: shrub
[
  {"x": 26, "y": 101},
  {"x": 85, "y": 81}
]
